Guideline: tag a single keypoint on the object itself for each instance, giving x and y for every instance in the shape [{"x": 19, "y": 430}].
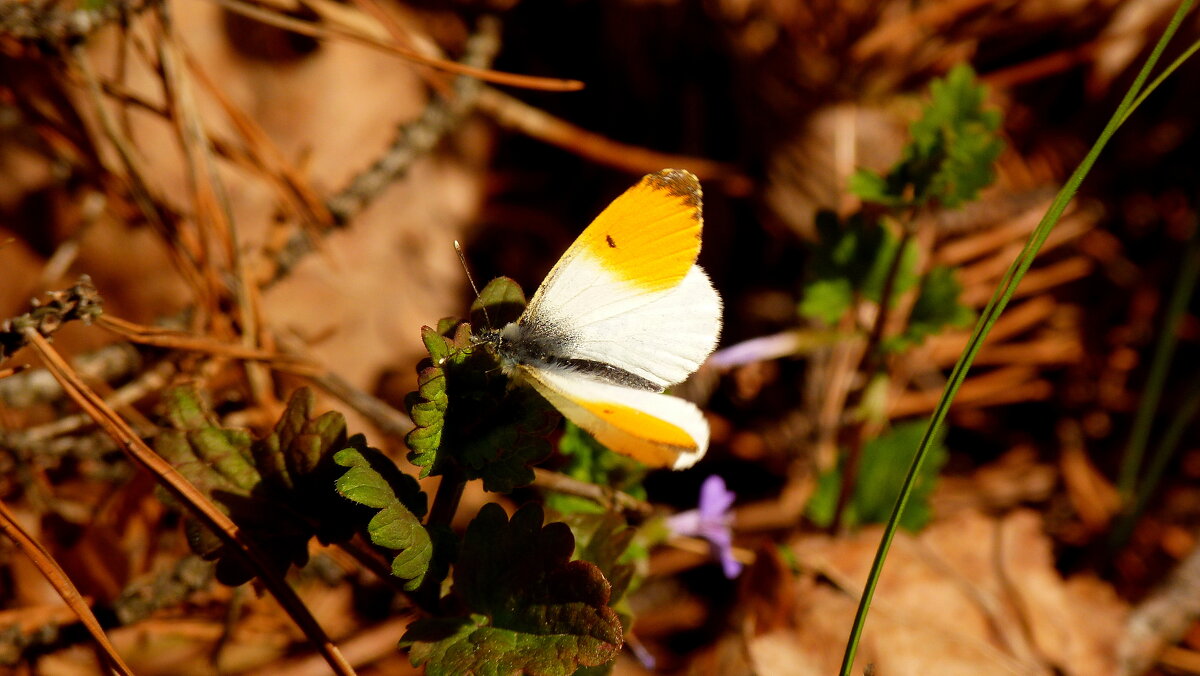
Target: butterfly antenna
[{"x": 462, "y": 258}]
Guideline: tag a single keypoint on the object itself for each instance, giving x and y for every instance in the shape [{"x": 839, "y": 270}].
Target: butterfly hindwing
[{"x": 657, "y": 429}]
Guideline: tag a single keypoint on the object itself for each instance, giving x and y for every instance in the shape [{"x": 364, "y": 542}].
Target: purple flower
[
  {"x": 639, "y": 651},
  {"x": 711, "y": 520}
]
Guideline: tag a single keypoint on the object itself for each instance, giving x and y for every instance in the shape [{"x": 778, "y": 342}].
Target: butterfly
[{"x": 624, "y": 314}]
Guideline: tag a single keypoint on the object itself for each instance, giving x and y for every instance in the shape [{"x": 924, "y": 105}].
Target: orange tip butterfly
[{"x": 624, "y": 314}]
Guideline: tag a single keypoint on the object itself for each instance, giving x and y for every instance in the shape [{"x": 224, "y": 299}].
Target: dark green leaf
[
  {"x": 504, "y": 302},
  {"x": 278, "y": 489},
  {"x": 527, "y": 607},
  {"x": 607, "y": 540},
  {"x": 827, "y": 299},
  {"x": 853, "y": 257},
  {"x": 871, "y": 187},
  {"x": 465, "y": 412},
  {"x": 951, "y": 151}
]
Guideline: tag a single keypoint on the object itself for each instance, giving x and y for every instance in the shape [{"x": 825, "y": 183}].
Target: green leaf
[
  {"x": 527, "y": 608},
  {"x": 950, "y": 154},
  {"x": 937, "y": 307},
  {"x": 278, "y": 489},
  {"x": 464, "y": 411},
  {"x": 374, "y": 481},
  {"x": 853, "y": 257},
  {"x": 501, "y": 301},
  {"x": 827, "y": 299},
  {"x": 871, "y": 187},
  {"x": 605, "y": 542},
  {"x": 588, "y": 460},
  {"x": 885, "y": 461}
]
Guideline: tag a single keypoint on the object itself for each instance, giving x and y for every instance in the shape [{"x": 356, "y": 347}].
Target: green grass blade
[
  {"x": 1160, "y": 363},
  {"x": 987, "y": 319},
  {"x": 1179, "y": 61}
]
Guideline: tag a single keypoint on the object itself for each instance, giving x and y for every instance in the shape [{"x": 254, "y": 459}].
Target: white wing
[{"x": 662, "y": 337}]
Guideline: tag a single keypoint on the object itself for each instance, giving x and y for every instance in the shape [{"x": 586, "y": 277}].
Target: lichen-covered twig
[
  {"x": 413, "y": 141},
  {"x": 108, "y": 364},
  {"x": 48, "y": 24},
  {"x": 81, "y": 302},
  {"x": 1162, "y": 618}
]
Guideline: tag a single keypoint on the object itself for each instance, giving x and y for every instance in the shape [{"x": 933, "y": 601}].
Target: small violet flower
[{"x": 711, "y": 520}]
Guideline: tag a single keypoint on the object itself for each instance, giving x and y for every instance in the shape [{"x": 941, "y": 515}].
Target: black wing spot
[{"x": 611, "y": 243}]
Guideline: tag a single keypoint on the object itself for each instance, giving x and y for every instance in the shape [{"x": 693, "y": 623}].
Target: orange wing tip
[{"x": 679, "y": 183}]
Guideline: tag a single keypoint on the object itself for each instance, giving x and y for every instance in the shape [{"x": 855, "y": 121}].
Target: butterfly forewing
[{"x": 628, "y": 292}]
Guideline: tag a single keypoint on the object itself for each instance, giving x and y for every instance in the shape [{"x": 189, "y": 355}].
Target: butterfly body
[{"x": 623, "y": 315}]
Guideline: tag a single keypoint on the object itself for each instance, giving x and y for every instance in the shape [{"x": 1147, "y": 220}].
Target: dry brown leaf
[{"x": 972, "y": 595}]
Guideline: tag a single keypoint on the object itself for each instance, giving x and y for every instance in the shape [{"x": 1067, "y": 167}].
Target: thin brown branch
[
  {"x": 151, "y": 380},
  {"x": 12, "y": 370},
  {"x": 46, "y": 24},
  {"x": 601, "y": 495},
  {"x": 332, "y": 28},
  {"x": 264, "y": 153},
  {"x": 179, "y": 340},
  {"x": 110, "y": 363},
  {"x": 61, "y": 582},
  {"x": 389, "y": 421},
  {"x": 1162, "y": 618},
  {"x": 150, "y": 204},
  {"x": 365, "y": 647},
  {"x": 212, "y": 203},
  {"x": 511, "y": 112},
  {"x": 188, "y": 495}
]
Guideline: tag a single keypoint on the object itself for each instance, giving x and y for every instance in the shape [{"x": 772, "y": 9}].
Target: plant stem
[
  {"x": 870, "y": 363},
  {"x": 441, "y": 514},
  {"x": 1164, "y": 350}
]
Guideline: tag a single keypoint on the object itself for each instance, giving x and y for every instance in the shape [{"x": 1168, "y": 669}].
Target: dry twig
[
  {"x": 61, "y": 582},
  {"x": 1162, "y": 618}
]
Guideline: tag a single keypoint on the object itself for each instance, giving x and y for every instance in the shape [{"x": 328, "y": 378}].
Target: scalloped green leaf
[
  {"x": 277, "y": 489},
  {"x": 950, "y": 153},
  {"x": 937, "y": 307},
  {"x": 371, "y": 479},
  {"x": 464, "y": 411},
  {"x": 527, "y": 608}
]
